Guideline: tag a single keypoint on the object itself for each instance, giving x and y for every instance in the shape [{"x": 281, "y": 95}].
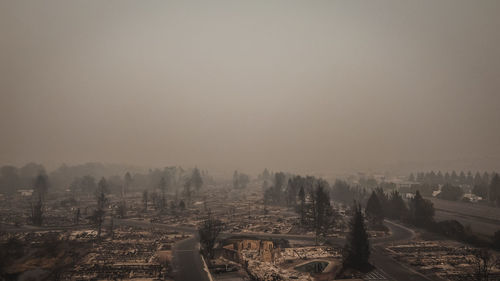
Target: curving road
[{"x": 387, "y": 264}]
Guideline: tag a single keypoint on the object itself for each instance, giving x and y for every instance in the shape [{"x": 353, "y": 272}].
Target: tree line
[
  {"x": 487, "y": 186},
  {"x": 304, "y": 194},
  {"x": 79, "y": 177},
  {"x": 167, "y": 180},
  {"x": 454, "y": 178},
  {"x": 419, "y": 212}
]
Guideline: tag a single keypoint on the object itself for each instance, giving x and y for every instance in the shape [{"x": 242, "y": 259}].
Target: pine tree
[
  {"x": 182, "y": 205},
  {"x": 163, "y": 187},
  {"x": 411, "y": 177},
  {"x": 196, "y": 179},
  {"x": 486, "y": 178},
  {"x": 127, "y": 183},
  {"x": 447, "y": 177},
  {"x": 357, "y": 249},
  {"x": 421, "y": 210},
  {"x": 462, "y": 178},
  {"x": 494, "y": 189},
  {"x": 99, "y": 213},
  {"x": 145, "y": 200},
  {"x": 40, "y": 187},
  {"x": 383, "y": 199},
  {"x": 397, "y": 208},
  {"x": 302, "y": 199},
  {"x": 374, "y": 211},
  {"x": 236, "y": 178},
  {"x": 321, "y": 212}
]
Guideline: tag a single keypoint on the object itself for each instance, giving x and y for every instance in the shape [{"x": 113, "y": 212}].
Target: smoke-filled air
[{"x": 250, "y": 140}]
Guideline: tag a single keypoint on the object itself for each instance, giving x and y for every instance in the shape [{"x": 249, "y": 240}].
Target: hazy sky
[{"x": 292, "y": 85}]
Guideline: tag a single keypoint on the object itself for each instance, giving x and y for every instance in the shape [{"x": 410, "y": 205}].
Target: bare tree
[
  {"x": 40, "y": 189},
  {"x": 122, "y": 209},
  {"x": 320, "y": 214},
  {"x": 127, "y": 183},
  {"x": 187, "y": 189},
  {"x": 99, "y": 213},
  {"x": 483, "y": 262},
  {"x": 163, "y": 187},
  {"x": 208, "y": 232},
  {"x": 145, "y": 200},
  {"x": 77, "y": 216}
]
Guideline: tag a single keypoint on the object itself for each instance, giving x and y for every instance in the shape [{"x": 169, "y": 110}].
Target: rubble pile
[
  {"x": 290, "y": 254},
  {"x": 262, "y": 270},
  {"x": 445, "y": 259},
  {"x": 274, "y": 260},
  {"x": 128, "y": 254}
]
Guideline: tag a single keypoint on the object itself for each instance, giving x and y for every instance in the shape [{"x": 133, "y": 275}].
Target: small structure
[
  {"x": 25, "y": 192},
  {"x": 472, "y": 197},
  {"x": 267, "y": 250}
]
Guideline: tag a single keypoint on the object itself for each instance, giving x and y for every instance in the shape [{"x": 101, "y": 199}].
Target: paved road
[
  {"x": 187, "y": 261},
  {"x": 389, "y": 267},
  {"x": 188, "y": 264},
  {"x": 481, "y": 218}
]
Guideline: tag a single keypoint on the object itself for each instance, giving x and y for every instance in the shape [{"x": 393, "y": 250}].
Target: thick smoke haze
[{"x": 290, "y": 85}]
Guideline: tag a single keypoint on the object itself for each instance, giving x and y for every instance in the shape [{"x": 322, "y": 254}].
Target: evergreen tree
[
  {"x": 145, "y": 200},
  {"x": 477, "y": 179},
  {"x": 276, "y": 191},
  {"x": 470, "y": 179},
  {"x": 494, "y": 189},
  {"x": 411, "y": 177},
  {"x": 78, "y": 215},
  {"x": 462, "y": 179},
  {"x": 265, "y": 175},
  {"x": 321, "y": 212},
  {"x": 302, "y": 199},
  {"x": 196, "y": 179},
  {"x": 431, "y": 178},
  {"x": 397, "y": 206},
  {"x": 439, "y": 178},
  {"x": 454, "y": 177},
  {"x": 182, "y": 205},
  {"x": 374, "y": 211},
  {"x": 496, "y": 240},
  {"x": 88, "y": 185},
  {"x": 481, "y": 190},
  {"x": 99, "y": 213},
  {"x": 41, "y": 187},
  {"x": 127, "y": 179},
  {"x": 383, "y": 199},
  {"x": 162, "y": 185},
  {"x": 236, "y": 180},
  {"x": 243, "y": 180},
  {"x": 451, "y": 192},
  {"x": 420, "y": 177},
  {"x": 421, "y": 211},
  {"x": 187, "y": 189},
  {"x": 357, "y": 249},
  {"x": 292, "y": 190},
  {"x": 122, "y": 209},
  {"x": 486, "y": 178},
  {"x": 447, "y": 177}
]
